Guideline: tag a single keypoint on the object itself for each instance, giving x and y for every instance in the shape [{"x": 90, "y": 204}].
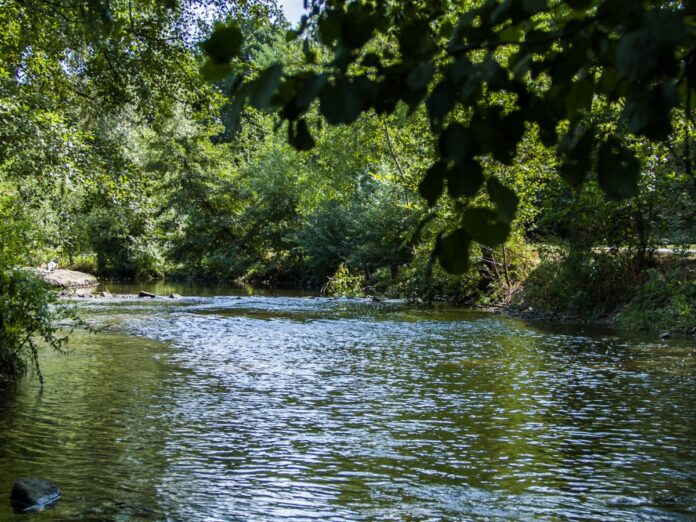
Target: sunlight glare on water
[{"x": 294, "y": 408}]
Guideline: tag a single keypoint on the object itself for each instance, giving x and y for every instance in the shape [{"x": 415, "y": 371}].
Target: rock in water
[
  {"x": 33, "y": 494},
  {"x": 174, "y": 296},
  {"x": 143, "y": 293},
  {"x": 665, "y": 335},
  {"x": 67, "y": 278}
]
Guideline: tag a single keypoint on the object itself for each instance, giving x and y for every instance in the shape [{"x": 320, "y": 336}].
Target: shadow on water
[{"x": 292, "y": 408}]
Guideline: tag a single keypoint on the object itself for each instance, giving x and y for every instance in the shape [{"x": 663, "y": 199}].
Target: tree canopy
[{"x": 587, "y": 76}]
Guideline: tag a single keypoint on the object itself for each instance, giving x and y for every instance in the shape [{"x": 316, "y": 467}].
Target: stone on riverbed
[{"x": 33, "y": 494}]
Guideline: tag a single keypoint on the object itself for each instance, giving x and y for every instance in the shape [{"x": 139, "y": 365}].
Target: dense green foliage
[
  {"x": 489, "y": 73},
  {"x": 498, "y": 138},
  {"x": 28, "y": 315}
]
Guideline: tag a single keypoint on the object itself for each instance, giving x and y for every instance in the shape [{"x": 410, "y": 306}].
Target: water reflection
[{"x": 270, "y": 408}]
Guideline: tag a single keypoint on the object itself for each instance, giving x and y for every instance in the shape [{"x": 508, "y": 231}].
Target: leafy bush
[
  {"x": 663, "y": 301},
  {"x": 585, "y": 284},
  {"x": 421, "y": 279},
  {"x": 344, "y": 284},
  {"x": 28, "y": 316},
  {"x": 28, "y": 313},
  {"x": 122, "y": 245}
]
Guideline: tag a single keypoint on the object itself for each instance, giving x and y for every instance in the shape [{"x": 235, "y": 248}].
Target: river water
[{"x": 254, "y": 407}]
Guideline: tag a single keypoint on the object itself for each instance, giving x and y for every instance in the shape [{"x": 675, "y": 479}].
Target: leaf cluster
[{"x": 487, "y": 73}]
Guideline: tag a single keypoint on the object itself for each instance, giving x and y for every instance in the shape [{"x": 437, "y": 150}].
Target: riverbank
[{"x": 601, "y": 287}]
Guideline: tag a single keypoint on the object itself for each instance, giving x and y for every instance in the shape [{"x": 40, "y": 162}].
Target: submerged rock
[
  {"x": 33, "y": 494},
  {"x": 82, "y": 292},
  {"x": 143, "y": 293}
]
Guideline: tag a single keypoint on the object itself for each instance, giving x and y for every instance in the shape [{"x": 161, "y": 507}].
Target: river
[{"x": 270, "y": 407}]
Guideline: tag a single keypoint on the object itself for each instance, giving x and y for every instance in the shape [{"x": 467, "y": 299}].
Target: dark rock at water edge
[
  {"x": 665, "y": 335},
  {"x": 143, "y": 293},
  {"x": 33, "y": 494},
  {"x": 174, "y": 296}
]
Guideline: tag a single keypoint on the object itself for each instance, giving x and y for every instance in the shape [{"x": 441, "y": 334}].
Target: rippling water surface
[{"x": 294, "y": 408}]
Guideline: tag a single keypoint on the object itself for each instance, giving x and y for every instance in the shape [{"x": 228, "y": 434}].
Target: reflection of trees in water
[{"x": 96, "y": 429}]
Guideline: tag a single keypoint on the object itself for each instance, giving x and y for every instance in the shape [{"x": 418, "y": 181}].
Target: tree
[{"x": 489, "y": 73}]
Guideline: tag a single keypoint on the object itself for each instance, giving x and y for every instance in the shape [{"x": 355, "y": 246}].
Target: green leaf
[
  {"x": 432, "y": 184},
  {"x": 618, "y": 170},
  {"x": 441, "y": 101},
  {"x": 492, "y": 73},
  {"x": 340, "y": 102},
  {"x": 483, "y": 225},
  {"x": 457, "y": 143},
  {"x": 534, "y": 6},
  {"x": 650, "y": 114},
  {"x": 498, "y": 135},
  {"x": 387, "y": 94},
  {"x": 575, "y": 150},
  {"x": 330, "y": 27},
  {"x": 309, "y": 92},
  {"x": 580, "y": 97},
  {"x": 309, "y": 54},
  {"x": 372, "y": 60},
  {"x": 505, "y": 200},
  {"x": 452, "y": 251},
  {"x": 465, "y": 179},
  {"x": 460, "y": 70},
  {"x": 367, "y": 89},
  {"x": 231, "y": 115},
  {"x": 224, "y": 44},
  {"x": 414, "y": 39},
  {"x": 299, "y": 136},
  {"x": 650, "y": 48},
  {"x": 540, "y": 113},
  {"x": 264, "y": 86},
  {"x": 358, "y": 26},
  {"x": 214, "y": 72},
  {"x": 420, "y": 76}
]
